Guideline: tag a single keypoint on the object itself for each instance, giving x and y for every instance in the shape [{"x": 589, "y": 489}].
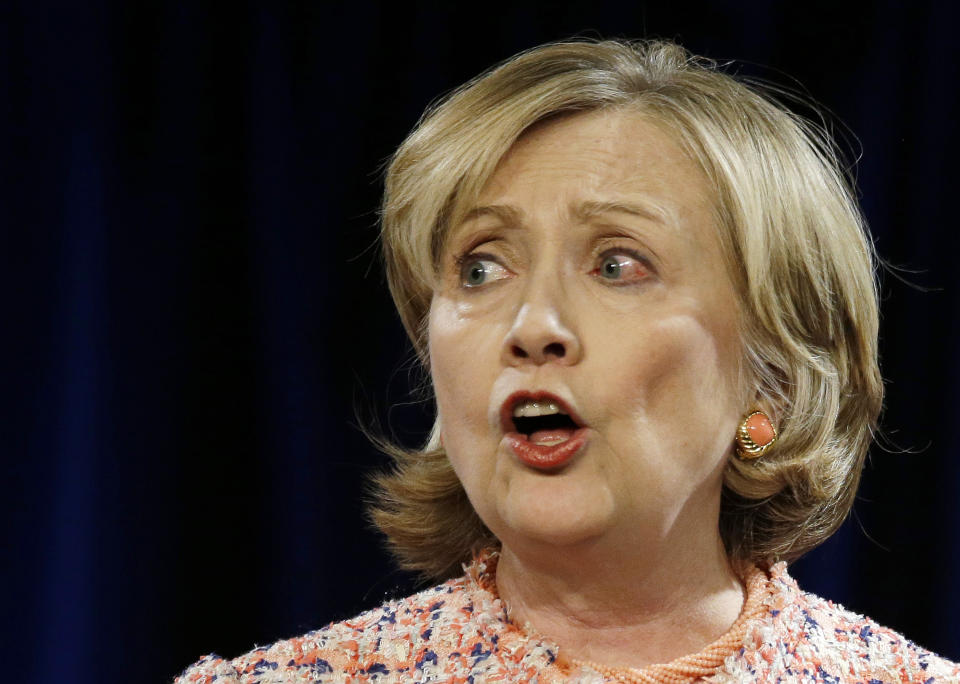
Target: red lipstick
[{"x": 564, "y": 443}]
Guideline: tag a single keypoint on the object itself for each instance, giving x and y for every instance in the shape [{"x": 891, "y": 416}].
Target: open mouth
[
  {"x": 545, "y": 428},
  {"x": 541, "y": 429}
]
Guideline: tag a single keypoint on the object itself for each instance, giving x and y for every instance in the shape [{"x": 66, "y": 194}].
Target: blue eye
[
  {"x": 622, "y": 267},
  {"x": 473, "y": 273},
  {"x": 477, "y": 270},
  {"x": 610, "y": 268}
]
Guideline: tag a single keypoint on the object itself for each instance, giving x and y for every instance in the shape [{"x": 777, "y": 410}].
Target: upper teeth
[{"x": 529, "y": 408}]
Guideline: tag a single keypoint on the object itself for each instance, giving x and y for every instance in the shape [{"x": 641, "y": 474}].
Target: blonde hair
[{"x": 794, "y": 241}]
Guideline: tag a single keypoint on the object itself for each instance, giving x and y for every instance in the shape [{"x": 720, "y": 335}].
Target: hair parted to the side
[{"x": 794, "y": 241}]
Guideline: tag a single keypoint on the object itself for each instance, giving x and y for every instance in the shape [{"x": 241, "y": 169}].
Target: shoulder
[
  {"x": 806, "y": 638},
  {"x": 379, "y": 640},
  {"x": 452, "y": 631}
]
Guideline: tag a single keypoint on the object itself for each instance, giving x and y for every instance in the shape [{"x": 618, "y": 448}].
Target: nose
[{"x": 541, "y": 331}]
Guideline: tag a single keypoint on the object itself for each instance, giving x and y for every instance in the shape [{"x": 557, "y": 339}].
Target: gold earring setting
[{"x": 755, "y": 435}]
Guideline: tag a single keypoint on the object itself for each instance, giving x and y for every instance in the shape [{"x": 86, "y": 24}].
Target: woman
[{"x": 646, "y": 300}]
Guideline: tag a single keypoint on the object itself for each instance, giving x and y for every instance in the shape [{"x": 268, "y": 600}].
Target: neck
[{"x": 604, "y": 605}]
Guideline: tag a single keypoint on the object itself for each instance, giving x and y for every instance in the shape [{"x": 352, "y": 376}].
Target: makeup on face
[
  {"x": 541, "y": 429},
  {"x": 583, "y": 341}
]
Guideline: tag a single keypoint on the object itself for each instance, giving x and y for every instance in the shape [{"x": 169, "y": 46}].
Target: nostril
[
  {"x": 519, "y": 352},
  {"x": 555, "y": 349}
]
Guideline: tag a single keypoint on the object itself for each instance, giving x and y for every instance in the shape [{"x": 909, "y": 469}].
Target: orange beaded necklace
[{"x": 691, "y": 667}]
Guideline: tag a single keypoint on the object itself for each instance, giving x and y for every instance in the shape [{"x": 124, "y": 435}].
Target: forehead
[
  {"x": 598, "y": 158},
  {"x": 602, "y": 155},
  {"x": 566, "y": 167},
  {"x": 616, "y": 169}
]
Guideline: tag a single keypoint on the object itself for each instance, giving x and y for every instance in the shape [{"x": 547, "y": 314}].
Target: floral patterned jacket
[{"x": 459, "y": 632}]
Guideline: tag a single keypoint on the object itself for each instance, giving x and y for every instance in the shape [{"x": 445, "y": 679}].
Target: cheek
[
  {"x": 463, "y": 357},
  {"x": 680, "y": 384},
  {"x": 464, "y": 361}
]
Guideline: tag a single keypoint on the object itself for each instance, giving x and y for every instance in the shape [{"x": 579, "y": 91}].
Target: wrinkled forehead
[{"x": 623, "y": 158}]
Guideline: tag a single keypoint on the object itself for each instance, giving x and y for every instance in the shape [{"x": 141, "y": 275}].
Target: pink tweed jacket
[{"x": 459, "y": 632}]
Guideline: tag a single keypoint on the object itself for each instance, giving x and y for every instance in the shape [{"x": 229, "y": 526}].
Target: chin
[{"x": 555, "y": 514}]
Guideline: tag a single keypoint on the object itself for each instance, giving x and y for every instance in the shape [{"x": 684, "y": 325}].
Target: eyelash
[
  {"x": 631, "y": 253},
  {"x": 470, "y": 256}
]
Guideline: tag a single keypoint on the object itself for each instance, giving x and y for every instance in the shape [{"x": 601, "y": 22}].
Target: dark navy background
[{"x": 194, "y": 313}]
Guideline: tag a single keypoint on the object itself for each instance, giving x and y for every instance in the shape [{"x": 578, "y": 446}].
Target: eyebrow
[
  {"x": 588, "y": 210},
  {"x": 507, "y": 214},
  {"x": 583, "y": 212}
]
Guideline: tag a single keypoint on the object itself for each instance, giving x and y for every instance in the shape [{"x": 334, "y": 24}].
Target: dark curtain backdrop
[{"x": 195, "y": 317}]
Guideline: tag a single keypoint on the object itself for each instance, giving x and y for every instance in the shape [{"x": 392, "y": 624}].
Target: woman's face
[{"x": 588, "y": 280}]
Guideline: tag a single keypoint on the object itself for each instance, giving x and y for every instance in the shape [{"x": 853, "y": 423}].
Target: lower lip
[{"x": 546, "y": 457}]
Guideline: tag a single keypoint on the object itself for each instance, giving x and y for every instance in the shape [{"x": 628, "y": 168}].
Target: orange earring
[{"x": 755, "y": 435}]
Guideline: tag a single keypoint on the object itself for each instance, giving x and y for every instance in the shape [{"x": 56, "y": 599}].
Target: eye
[
  {"x": 622, "y": 267},
  {"x": 480, "y": 269}
]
